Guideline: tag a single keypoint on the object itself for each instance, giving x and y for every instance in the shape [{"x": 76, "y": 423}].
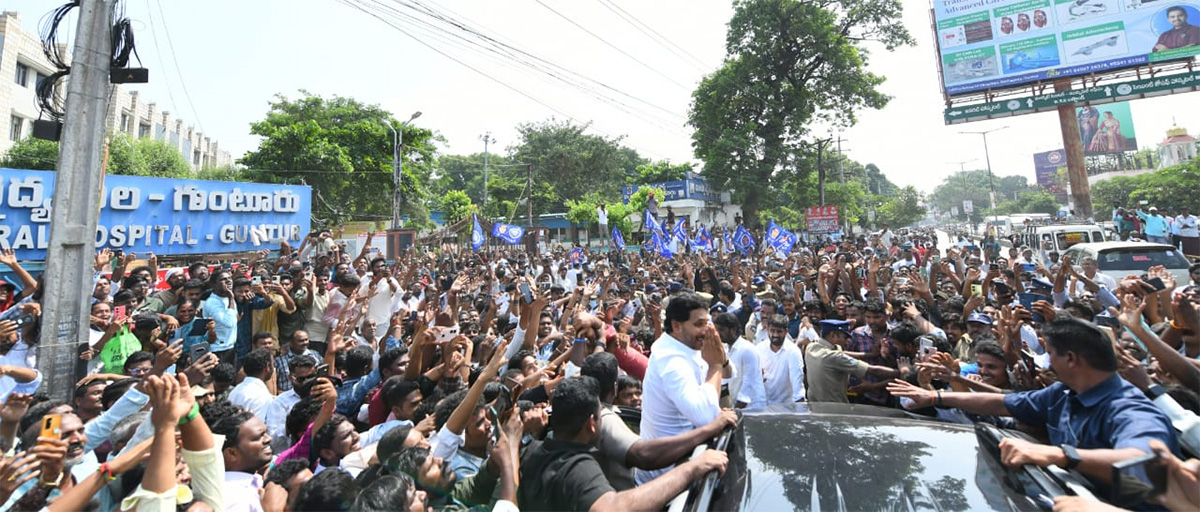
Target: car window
[
  {"x": 1097, "y": 236},
  {"x": 1139, "y": 259}
]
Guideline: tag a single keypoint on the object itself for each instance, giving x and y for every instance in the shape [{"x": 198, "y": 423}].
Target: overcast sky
[{"x": 234, "y": 56}]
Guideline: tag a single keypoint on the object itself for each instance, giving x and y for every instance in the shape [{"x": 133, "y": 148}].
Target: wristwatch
[
  {"x": 1155, "y": 391},
  {"x": 1072, "y": 455}
]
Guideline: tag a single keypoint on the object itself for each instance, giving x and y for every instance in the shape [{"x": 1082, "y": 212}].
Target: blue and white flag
[
  {"x": 509, "y": 233},
  {"x": 477, "y": 236},
  {"x": 743, "y": 240},
  {"x": 649, "y": 224},
  {"x": 576, "y": 255},
  {"x": 702, "y": 242},
  {"x": 659, "y": 245},
  {"x": 779, "y": 238},
  {"x": 728, "y": 242},
  {"x": 680, "y": 232},
  {"x": 618, "y": 240}
]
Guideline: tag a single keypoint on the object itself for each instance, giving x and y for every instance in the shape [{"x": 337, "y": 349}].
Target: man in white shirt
[
  {"x": 382, "y": 290},
  {"x": 300, "y": 369},
  {"x": 602, "y": 220},
  {"x": 682, "y": 387},
  {"x": 1091, "y": 270},
  {"x": 783, "y": 364},
  {"x": 1189, "y": 231},
  {"x": 746, "y": 385},
  {"x": 247, "y": 450},
  {"x": 252, "y": 394}
]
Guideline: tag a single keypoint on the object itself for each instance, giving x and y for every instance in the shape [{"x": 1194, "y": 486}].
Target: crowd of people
[{"x": 310, "y": 379}]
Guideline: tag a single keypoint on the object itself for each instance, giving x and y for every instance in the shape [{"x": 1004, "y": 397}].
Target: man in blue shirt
[
  {"x": 249, "y": 297},
  {"x": 1093, "y": 417},
  {"x": 222, "y": 309}
]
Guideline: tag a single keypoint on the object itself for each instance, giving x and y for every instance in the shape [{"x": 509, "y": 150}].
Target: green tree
[
  {"x": 343, "y": 149},
  {"x": 464, "y": 172},
  {"x": 1030, "y": 201},
  {"x": 457, "y": 206},
  {"x": 161, "y": 160},
  {"x": 659, "y": 172},
  {"x": 583, "y": 212},
  {"x": 903, "y": 210},
  {"x": 124, "y": 157},
  {"x": 571, "y": 161},
  {"x": 788, "y": 64},
  {"x": 33, "y": 154},
  {"x": 637, "y": 200},
  {"x": 224, "y": 173}
]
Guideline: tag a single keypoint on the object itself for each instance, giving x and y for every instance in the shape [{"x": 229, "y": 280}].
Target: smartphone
[
  {"x": 119, "y": 313},
  {"x": 445, "y": 334},
  {"x": 1029, "y": 267},
  {"x": 1138, "y": 479},
  {"x": 322, "y": 371},
  {"x": 1157, "y": 283},
  {"x": 51, "y": 426},
  {"x": 1027, "y": 300},
  {"x": 1107, "y": 320},
  {"x": 199, "y": 327},
  {"x": 526, "y": 293},
  {"x": 256, "y": 280},
  {"x": 275, "y": 279},
  {"x": 901, "y": 281},
  {"x": 199, "y": 351},
  {"x": 24, "y": 320},
  {"x": 993, "y": 266},
  {"x": 976, "y": 289},
  {"x": 1029, "y": 360}
]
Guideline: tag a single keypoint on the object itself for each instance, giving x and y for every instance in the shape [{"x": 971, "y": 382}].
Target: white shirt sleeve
[
  {"x": 699, "y": 404},
  {"x": 796, "y": 374},
  {"x": 753, "y": 391}
]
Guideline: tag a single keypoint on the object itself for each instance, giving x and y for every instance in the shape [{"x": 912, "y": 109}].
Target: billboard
[
  {"x": 1106, "y": 129},
  {"x": 691, "y": 188},
  {"x": 822, "y": 219},
  {"x": 1045, "y": 170},
  {"x": 159, "y": 215},
  {"x": 990, "y": 44}
]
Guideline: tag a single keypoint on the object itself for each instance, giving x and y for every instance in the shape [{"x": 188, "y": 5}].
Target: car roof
[
  {"x": 854, "y": 457},
  {"x": 1108, "y": 246}
]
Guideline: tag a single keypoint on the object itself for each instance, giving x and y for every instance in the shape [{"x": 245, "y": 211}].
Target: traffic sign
[{"x": 1183, "y": 82}]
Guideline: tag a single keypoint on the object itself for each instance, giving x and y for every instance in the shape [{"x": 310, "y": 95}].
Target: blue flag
[
  {"x": 509, "y": 233},
  {"x": 702, "y": 242},
  {"x": 779, "y": 238},
  {"x": 576, "y": 255},
  {"x": 743, "y": 240},
  {"x": 659, "y": 245},
  {"x": 618, "y": 240},
  {"x": 649, "y": 224},
  {"x": 680, "y": 232},
  {"x": 477, "y": 237},
  {"x": 728, "y": 243}
]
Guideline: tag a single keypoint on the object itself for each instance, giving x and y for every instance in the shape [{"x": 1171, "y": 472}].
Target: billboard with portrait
[
  {"x": 992, "y": 44},
  {"x": 1106, "y": 129},
  {"x": 1045, "y": 170}
]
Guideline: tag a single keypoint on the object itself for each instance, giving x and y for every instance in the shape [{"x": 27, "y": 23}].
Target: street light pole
[
  {"x": 487, "y": 139},
  {"x": 398, "y": 169},
  {"x": 987, "y": 158}
]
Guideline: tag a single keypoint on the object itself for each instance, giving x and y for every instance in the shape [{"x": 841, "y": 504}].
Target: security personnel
[{"x": 829, "y": 368}]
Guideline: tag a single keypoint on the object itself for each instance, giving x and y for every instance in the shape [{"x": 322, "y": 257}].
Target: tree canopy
[
  {"x": 343, "y": 149},
  {"x": 1172, "y": 187},
  {"x": 126, "y": 156},
  {"x": 789, "y": 64}
]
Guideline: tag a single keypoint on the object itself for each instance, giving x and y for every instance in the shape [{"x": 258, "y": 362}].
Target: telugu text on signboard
[
  {"x": 159, "y": 215},
  {"x": 822, "y": 219}
]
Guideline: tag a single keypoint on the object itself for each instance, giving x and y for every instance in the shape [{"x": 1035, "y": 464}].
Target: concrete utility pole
[
  {"x": 821, "y": 143},
  {"x": 398, "y": 169},
  {"x": 1081, "y": 190},
  {"x": 529, "y": 185},
  {"x": 76, "y": 204},
  {"x": 487, "y": 139},
  {"x": 841, "y": 168}
]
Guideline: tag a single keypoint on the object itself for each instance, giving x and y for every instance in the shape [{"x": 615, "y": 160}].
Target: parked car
[
  {"x": 1119, "y": 259},
  {"x": 854, "y": 457}
]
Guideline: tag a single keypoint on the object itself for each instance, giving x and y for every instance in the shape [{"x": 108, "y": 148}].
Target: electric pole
[
  {"x": 487, "y": 139},
  {"x": 529, "y": 185},
  {"x": 76, "y": 211},
  {"x": 821, "y": 168},
  {"x": 841, "y": 160}
]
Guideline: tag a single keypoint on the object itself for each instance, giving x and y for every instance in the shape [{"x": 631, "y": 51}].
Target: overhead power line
[
  {"x": 613, "y": 46},
  {"x": 654, "y": 35},
  {"x": 178, "y": 71}
]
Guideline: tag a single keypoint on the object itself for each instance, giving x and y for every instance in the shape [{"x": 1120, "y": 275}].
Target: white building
[
  {"x": 1177, "y": 148},
  {"x": 23, "y": 65}
]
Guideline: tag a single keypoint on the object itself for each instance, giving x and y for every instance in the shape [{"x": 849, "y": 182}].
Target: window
[
  {"x": 196, "y": 157},
  {"x": 37, "y": 81},
  {"x": 14, "y": 128},
  {"x": 21, "y": 77},
  {"x": 124, "y": 122},
  {"x": 143, "y": 130}
]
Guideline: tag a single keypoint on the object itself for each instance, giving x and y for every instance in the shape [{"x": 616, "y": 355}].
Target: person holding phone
[{"x": 1088, "y": 394}]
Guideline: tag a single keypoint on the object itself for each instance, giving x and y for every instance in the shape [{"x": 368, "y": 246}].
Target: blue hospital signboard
[{"x": 159, "y": 215}]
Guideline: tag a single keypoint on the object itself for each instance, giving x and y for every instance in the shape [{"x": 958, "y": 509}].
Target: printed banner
[
  {"x": 822, "y": 220},
  {"x": 159, "y": 215},
  {"x": 1106, "y": 129},
  {"x": 992, "y": 44}
]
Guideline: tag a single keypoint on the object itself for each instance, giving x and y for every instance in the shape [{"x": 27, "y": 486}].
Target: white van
[{"x": 1060, "y": 237}]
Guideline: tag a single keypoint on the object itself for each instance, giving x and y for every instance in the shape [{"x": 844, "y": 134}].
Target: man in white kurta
[{"x": 782, "y": 363}]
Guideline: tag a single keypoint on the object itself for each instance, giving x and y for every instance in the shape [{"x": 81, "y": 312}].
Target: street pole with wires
[
  {"x": 398, "y": 169},
  {"x": 76, "y": 212},
  {"x": 487, "y": 139}
]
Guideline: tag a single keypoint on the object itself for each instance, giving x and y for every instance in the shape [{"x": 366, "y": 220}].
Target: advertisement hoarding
[
  {"x": 992, "y": 44},
  {"x": 159, "y": 215},
  {"x": 1045, "y": 170},
  {"x": 822, "y": 220},
  {"x": 1106, "y": 129}
]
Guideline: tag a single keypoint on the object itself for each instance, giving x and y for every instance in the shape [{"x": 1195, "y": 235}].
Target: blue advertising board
[
  {"x": 692, "y": 188},
  {"x": 992, "y": 44},
  {"x": 161, "y": 215}
]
